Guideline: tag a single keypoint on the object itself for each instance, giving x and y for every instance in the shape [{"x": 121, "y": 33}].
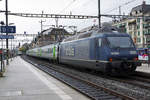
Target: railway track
[
  {"x": 143, "y": 79},
  {"x": 86, "y": 87},
  {"x": 125, "y": 88},
  {"x": 136, "y": 81},
  {"x": 140, "y": 79},
  {"x": 142, "y": 74}
]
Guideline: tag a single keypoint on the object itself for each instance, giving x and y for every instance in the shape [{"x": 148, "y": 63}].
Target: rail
[{"x": 88, "y": 88}]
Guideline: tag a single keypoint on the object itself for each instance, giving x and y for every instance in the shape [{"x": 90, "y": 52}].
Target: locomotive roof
[
  {"x": 104, "y": 32},
  {"x": 111, "y": 31}
]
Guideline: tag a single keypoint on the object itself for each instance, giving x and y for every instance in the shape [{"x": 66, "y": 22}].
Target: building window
[
  {"x": 134, "y": 33},
  {"x": 125, "y": 30},
  {"x": 138, "y": 26},
  {"x": 144, "y": 25},
  {"x": 148, "y": 32},
  {"x": 130, "y": 27},
  {"x": 139, "y": 11},
  {"x": 138, "y": 40},
  {"x": 145, "y": 32},
  {"x": 138, "y": 33},
  {"x": 138, "y": 20}
]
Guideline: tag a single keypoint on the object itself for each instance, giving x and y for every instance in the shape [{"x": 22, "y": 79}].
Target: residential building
[
  {"x": 139, "y": 26},
  {"x": 50, "y": 36}
]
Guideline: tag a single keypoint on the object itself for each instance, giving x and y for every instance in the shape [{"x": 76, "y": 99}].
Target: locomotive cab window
[{"x": 120, "y": 42}]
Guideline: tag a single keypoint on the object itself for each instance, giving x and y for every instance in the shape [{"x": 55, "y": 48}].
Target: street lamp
[
  {"x": 6, "y": 5},
  {"x": 11, "y": 44}
]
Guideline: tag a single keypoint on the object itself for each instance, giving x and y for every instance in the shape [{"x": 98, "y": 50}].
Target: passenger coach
[{"x": 47, "y": 52}]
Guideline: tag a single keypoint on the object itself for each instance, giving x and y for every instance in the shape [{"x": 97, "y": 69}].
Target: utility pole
[
  {"x": 99, "y": 14},
  {"x": 42, "y": 27},
  {"x": 41, "y": 22},
  {"x": 6, "y": 4},
  {"x": 120, "y": 11},
  {"x": 56, "y": 22}
]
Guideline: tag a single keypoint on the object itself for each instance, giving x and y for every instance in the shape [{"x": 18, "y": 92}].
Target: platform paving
[
  {"x": 144, "y": 68},
  {"x": 22, "y": 81}
]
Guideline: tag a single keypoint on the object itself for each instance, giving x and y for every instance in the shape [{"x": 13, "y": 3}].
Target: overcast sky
[
  {"x": 79, "y": 7},
  {"x": 83, "y": 7}
]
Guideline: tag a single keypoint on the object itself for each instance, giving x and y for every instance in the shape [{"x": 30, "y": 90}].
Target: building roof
[
  {"x": 143, "y": 8},
  {"x": 55, "y": 31}
]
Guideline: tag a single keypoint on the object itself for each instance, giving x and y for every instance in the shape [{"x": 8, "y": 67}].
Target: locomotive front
[{"x": 121, "y": 54}]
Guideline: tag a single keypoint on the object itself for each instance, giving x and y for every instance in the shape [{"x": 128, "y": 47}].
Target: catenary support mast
[{"x": 99, "y": 14}]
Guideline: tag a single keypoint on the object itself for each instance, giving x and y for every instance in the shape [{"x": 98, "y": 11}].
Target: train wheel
[
  {"x": 128, "y": 68},
  {"x": 108, "y": 70},
  {"x": 133, "y": 68}
]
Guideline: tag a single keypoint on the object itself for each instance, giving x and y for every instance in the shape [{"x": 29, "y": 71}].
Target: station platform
[
  {"x": 144, "y": 68},
  {"x": 23, "y": 81}
]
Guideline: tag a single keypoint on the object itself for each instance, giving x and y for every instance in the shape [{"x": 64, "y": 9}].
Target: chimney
[{"x": 144, "y": 2}]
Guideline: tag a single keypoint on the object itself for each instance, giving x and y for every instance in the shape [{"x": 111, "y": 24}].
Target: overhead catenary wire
[
  {"x": 83, "y": 4},
  {"x": 124, "y": 4},
  {"x": 68, "y": 6}
]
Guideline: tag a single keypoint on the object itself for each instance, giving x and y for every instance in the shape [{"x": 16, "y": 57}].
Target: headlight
[{"x": 133, "y": 52}]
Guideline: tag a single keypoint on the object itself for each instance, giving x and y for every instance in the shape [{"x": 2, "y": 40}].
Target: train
[{"x": 107, "y": 50}]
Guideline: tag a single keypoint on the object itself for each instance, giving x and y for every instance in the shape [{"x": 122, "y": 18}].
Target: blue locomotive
[{"x": 107, "y": 50}]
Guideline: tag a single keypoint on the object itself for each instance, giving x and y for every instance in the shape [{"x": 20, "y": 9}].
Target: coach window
[{"x": 100, "y": 42}]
